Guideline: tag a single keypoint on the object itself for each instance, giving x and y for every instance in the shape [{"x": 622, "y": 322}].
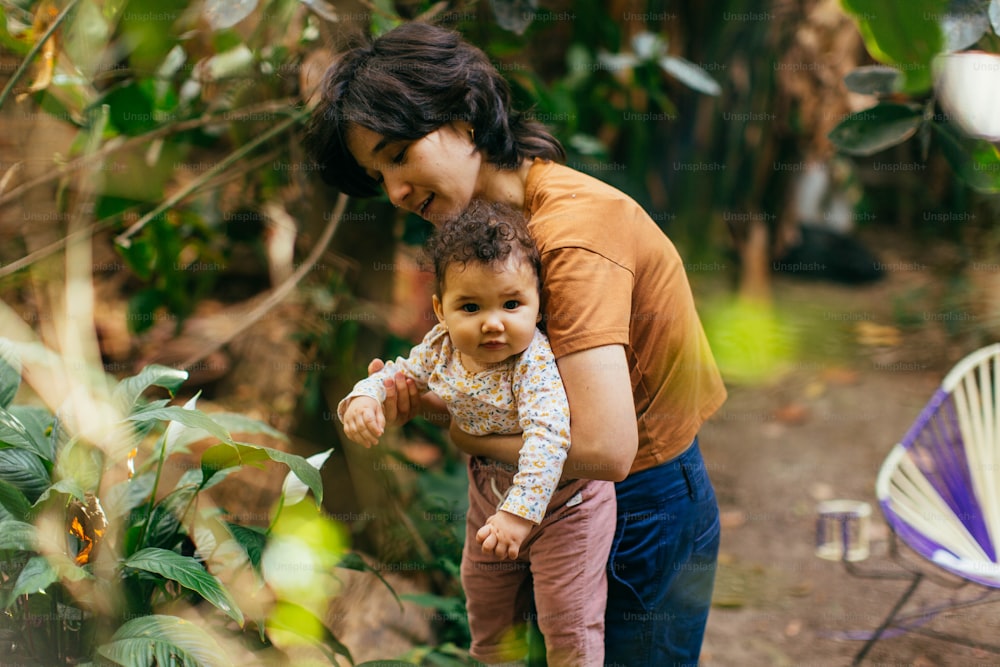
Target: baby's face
[{"x": 490, "y": 310}]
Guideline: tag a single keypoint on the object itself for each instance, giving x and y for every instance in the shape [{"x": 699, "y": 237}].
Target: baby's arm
[
  {"x": 364, "y": 420},
  {"x": 364, "y": 423}
]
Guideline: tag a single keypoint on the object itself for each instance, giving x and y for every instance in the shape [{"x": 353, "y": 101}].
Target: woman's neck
[{"x": 505, "y": 186}]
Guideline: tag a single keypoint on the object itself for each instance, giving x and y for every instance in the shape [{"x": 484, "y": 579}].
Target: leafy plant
[
  {"x": 919, "y": 94},
  {"x": 101, "y": 562}
]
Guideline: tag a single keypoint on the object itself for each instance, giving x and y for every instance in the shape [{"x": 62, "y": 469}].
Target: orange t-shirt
[{"x": 610, "y": 276}]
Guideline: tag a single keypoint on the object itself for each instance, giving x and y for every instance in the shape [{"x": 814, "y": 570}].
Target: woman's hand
[
  {"x": 402, "y": 398},
  {"x": 505, "y": 448}
]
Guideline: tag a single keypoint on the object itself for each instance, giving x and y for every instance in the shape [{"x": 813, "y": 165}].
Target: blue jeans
[{"x": 662, "y": 565}]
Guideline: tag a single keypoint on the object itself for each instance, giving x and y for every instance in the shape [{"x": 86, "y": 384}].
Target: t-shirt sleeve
[
  {"x": 587, "y": 300},
  {"x": 543, "y": 413}
]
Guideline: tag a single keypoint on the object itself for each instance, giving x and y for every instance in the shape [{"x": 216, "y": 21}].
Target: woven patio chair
[{"x": 939, "y": 488}]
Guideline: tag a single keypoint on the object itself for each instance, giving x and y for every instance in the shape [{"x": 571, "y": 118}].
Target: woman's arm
[{"x": 604, "y": 436}]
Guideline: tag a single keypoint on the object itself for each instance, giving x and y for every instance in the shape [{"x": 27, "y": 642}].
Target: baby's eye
[
  {"x": 511, "y": 305},
  {"x": 470, "y": 307}
]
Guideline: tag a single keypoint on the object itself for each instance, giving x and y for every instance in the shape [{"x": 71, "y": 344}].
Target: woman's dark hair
[
  {"x": 408, "y": 83},
  {"x": 485, "y": 233}
]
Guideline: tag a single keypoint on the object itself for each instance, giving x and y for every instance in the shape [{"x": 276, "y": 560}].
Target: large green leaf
[
  {"x": 187, "y": 572},
  {"x": 225, "y": 455},
  {"x": 15, "y": 433},
  {"x": 168, "y": 641},
  {"x": 976, "y": 161},
  {"x": 253, "y": 540},
  {"x": 128, "y": 391},
  {"x": 38, "y": 422},
  {"x": 168, "y": 514},
  {"x": 872, "y": 130},
  {"x": 10, "y": 371},
  {"x": 13, "y": 500},
  {"x": 24, "y": 470},
  {"x": 18, "y": 536},
  {"x": 233, "y": 423},
  {"x": 906, "y": 34},
  {"x": 35, "y": 577},
  {"x": 191, "y": 418}
]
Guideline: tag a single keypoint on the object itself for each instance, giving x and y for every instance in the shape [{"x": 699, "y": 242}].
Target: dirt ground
[{"x": 872, "y": 356}]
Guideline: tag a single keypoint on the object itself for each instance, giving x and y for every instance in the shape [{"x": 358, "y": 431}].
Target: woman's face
[{"x": 435, "y": 176}]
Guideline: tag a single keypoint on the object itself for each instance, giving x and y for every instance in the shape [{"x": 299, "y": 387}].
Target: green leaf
[
  {"x": 234, "y": 423},
  {"x": 14, "y": 501},
  {"x": 10, "y": 371},
  {"x": 35, "y": 577},
  {"x": 163, "y": 640},
  {"x": 907, "y": 34},
  {"x": 690, "y": 75},
  {"x": 253, "y": 540},
  {"x": 81, "y": 462},
  {"x": 14, "y": 433},
  {"x": 67, "y": 486},
  {"x": 965, "y": 22},
  {"x": 18, "y": 536},
  {"x": 25, "y": 471},
  {"x": 127, "y": 393},
  {"x": 165, "y": 524},
  {"x": 187, "y": 572},
  {"x": 975, "y": 161},
  {"x": 294, "y": 489},
  {"x": 191, "y": 418},
  {"x": 125, "y": 496},
  {"x": 39, "y": 423},
  {"x": 231, "y": 455},
  {"x": 873, "y": 130},
  {"x": 874, "y": 80}
]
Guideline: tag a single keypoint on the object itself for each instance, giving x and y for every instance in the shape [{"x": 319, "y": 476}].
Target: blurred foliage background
[{"x": 788, "y": 137}]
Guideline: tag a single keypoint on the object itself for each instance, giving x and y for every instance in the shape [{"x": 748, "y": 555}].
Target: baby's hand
[
  {"x": 364, "y": 420},
  {"x": 503, "y": 534}
]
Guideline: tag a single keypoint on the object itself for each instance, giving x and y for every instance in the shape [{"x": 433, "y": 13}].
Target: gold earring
[{"x": 472, "y": 135}]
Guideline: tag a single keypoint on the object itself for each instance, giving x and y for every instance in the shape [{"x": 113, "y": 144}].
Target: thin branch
[
  {"x": 120, "y": 144},
  {"x": 100, "y": 225},
  {"x": 34, "y": 51},
  {"x": 124, "y": 239},
  {"x": 279, "y": 293}
]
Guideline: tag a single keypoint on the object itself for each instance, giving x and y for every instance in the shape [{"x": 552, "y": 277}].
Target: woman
[{"x": 424, "y": 116}]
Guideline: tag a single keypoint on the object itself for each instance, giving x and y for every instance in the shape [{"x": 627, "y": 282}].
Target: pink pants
[{"x": 564, "y": 560}]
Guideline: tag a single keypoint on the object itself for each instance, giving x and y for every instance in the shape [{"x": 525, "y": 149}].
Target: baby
[{"x": 488, "y": 362}]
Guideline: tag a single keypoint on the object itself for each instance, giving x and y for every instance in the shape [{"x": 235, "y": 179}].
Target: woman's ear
[{"x": 438, "y": 310}]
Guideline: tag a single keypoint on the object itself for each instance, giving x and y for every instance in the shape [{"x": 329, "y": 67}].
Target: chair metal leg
[{"x": 917, "y": 579}]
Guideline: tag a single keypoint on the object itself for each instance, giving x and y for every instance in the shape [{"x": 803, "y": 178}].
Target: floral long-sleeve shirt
[{"x": 524, "y": 393}]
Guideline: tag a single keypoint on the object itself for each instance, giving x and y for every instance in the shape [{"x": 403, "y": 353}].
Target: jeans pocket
[{"x": 637, "y": 559}]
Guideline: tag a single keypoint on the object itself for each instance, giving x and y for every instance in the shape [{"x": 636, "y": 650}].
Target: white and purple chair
[{"x": 939, "y": 488}]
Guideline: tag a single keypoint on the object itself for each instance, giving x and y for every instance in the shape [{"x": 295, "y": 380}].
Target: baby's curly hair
[{"x": 486, "y": 233}]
